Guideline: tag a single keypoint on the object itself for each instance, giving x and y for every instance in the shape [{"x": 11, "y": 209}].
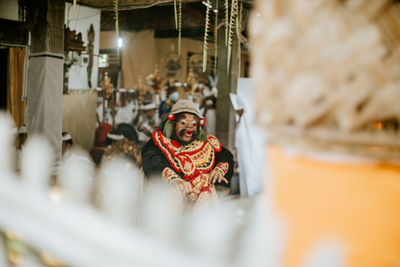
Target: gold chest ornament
[{"x": 193, "y": 159}]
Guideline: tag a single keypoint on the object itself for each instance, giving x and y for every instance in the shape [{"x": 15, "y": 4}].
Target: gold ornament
[
  {"x": 108, "y": 87},
  {"x": 141, "y": 89},
  {"x": 157, "y": 80},
  {"x": 191, "y": 81}
]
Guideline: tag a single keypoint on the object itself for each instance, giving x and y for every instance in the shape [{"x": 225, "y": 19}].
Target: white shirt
[
  {"x": 144, "y": 122},
  {"x": 124, "y": 115},
  {"x": 99, "y": 111}
]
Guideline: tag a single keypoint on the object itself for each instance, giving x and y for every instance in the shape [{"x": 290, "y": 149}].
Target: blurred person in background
[
  {"x": 123, "y": 142},
  {"x": 210, "y": 114},
  {"x": 166, "y": 106},
  {"x": 125, "y": 112},
  {"x": 198, "y": 100},
  {"x": 22, "y": 136},
  {"x": 66, "y": 145},
  {"x": 147, "y": 122}
]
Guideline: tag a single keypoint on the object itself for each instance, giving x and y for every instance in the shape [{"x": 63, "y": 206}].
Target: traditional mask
[{"x": 186, "y": 127}]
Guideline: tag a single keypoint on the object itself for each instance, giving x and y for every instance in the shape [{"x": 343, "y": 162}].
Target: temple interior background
[{"x": 304, "y": 94}]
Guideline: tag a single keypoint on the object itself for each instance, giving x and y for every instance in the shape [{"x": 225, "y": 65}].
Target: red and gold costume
[{"x": 192, "y": 162}]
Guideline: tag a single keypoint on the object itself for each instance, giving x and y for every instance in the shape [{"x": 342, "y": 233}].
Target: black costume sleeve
[
  {"x": 225, "y": 156},
  {"x": 153, "y": 160}
]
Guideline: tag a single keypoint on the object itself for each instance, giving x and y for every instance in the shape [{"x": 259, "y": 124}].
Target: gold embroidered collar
[{"x": 192, "y": 159}]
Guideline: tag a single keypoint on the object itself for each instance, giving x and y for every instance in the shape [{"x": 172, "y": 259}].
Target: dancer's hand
[
  {"x": 216, "y": 176},
  {"x": 187, "y": 187}
]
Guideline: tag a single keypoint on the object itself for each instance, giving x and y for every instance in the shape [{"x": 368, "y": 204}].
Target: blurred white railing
[
  {"x": 122, "y": 228},
  {"x": 103, "y": 218}
]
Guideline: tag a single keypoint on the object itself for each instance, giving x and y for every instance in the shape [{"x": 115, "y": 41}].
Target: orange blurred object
[{"x": 357, "y": 203}]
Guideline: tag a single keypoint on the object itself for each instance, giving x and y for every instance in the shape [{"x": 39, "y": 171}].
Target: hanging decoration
[
  {"x": 226, "y": 5},
  {"x": 216, "y": 38},
  {"x": 180, "y": 27},
  {"x": 116, "y": 21},
  {"x": 234, "y": 9},
  {"x": 176, "y": 15},
  {"x": 206, "y": 29},
  {"x": 74, "y": 7},
  {"x": 238, "y": 33}
]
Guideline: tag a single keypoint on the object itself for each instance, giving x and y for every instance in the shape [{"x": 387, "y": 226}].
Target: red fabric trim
[
  {"x": 205, "y": 189},
  {"x": 223, "y": 166},
  {"x": 168, "y": 174},
  {"x": 214, "y": 142},
  {"x": 170, "y": 149},
  {"x": 175, "y": 144},
  {"x": 164, "y": 151}
]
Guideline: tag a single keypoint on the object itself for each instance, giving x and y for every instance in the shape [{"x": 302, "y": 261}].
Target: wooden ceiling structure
[
  {"x": 137, "y": 15},
  {"x": 128, "y": 4}
]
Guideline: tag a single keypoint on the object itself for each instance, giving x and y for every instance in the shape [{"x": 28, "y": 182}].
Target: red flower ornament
[
  {"x": 202, "y": 122},
  {"x": 171, "y": 117}
]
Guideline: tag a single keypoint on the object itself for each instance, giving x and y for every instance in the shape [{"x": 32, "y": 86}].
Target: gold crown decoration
[{"x": 124, "y": 148}]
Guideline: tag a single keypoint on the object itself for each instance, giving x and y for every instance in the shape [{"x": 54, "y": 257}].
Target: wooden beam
[
  {"x": 159, "y": 17},
  {"x": 227, "y": 83},
  {"x": 13, "y": 33},
  {"x": 48, "y": 32},
  {"x": 127, "y": 4}
]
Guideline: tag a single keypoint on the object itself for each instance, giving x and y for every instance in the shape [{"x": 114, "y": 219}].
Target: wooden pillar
[
  {"x": 227, "y": 83},
  {"x": 45, "y": 74}
]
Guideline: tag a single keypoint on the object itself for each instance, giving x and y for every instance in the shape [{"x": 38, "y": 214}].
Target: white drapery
[
  {"x": 250, "y": 141},
  {"x": 44, "y": 98}
]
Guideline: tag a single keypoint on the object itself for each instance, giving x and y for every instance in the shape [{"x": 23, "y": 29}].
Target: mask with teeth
[{"x": 186, "y": 128}]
